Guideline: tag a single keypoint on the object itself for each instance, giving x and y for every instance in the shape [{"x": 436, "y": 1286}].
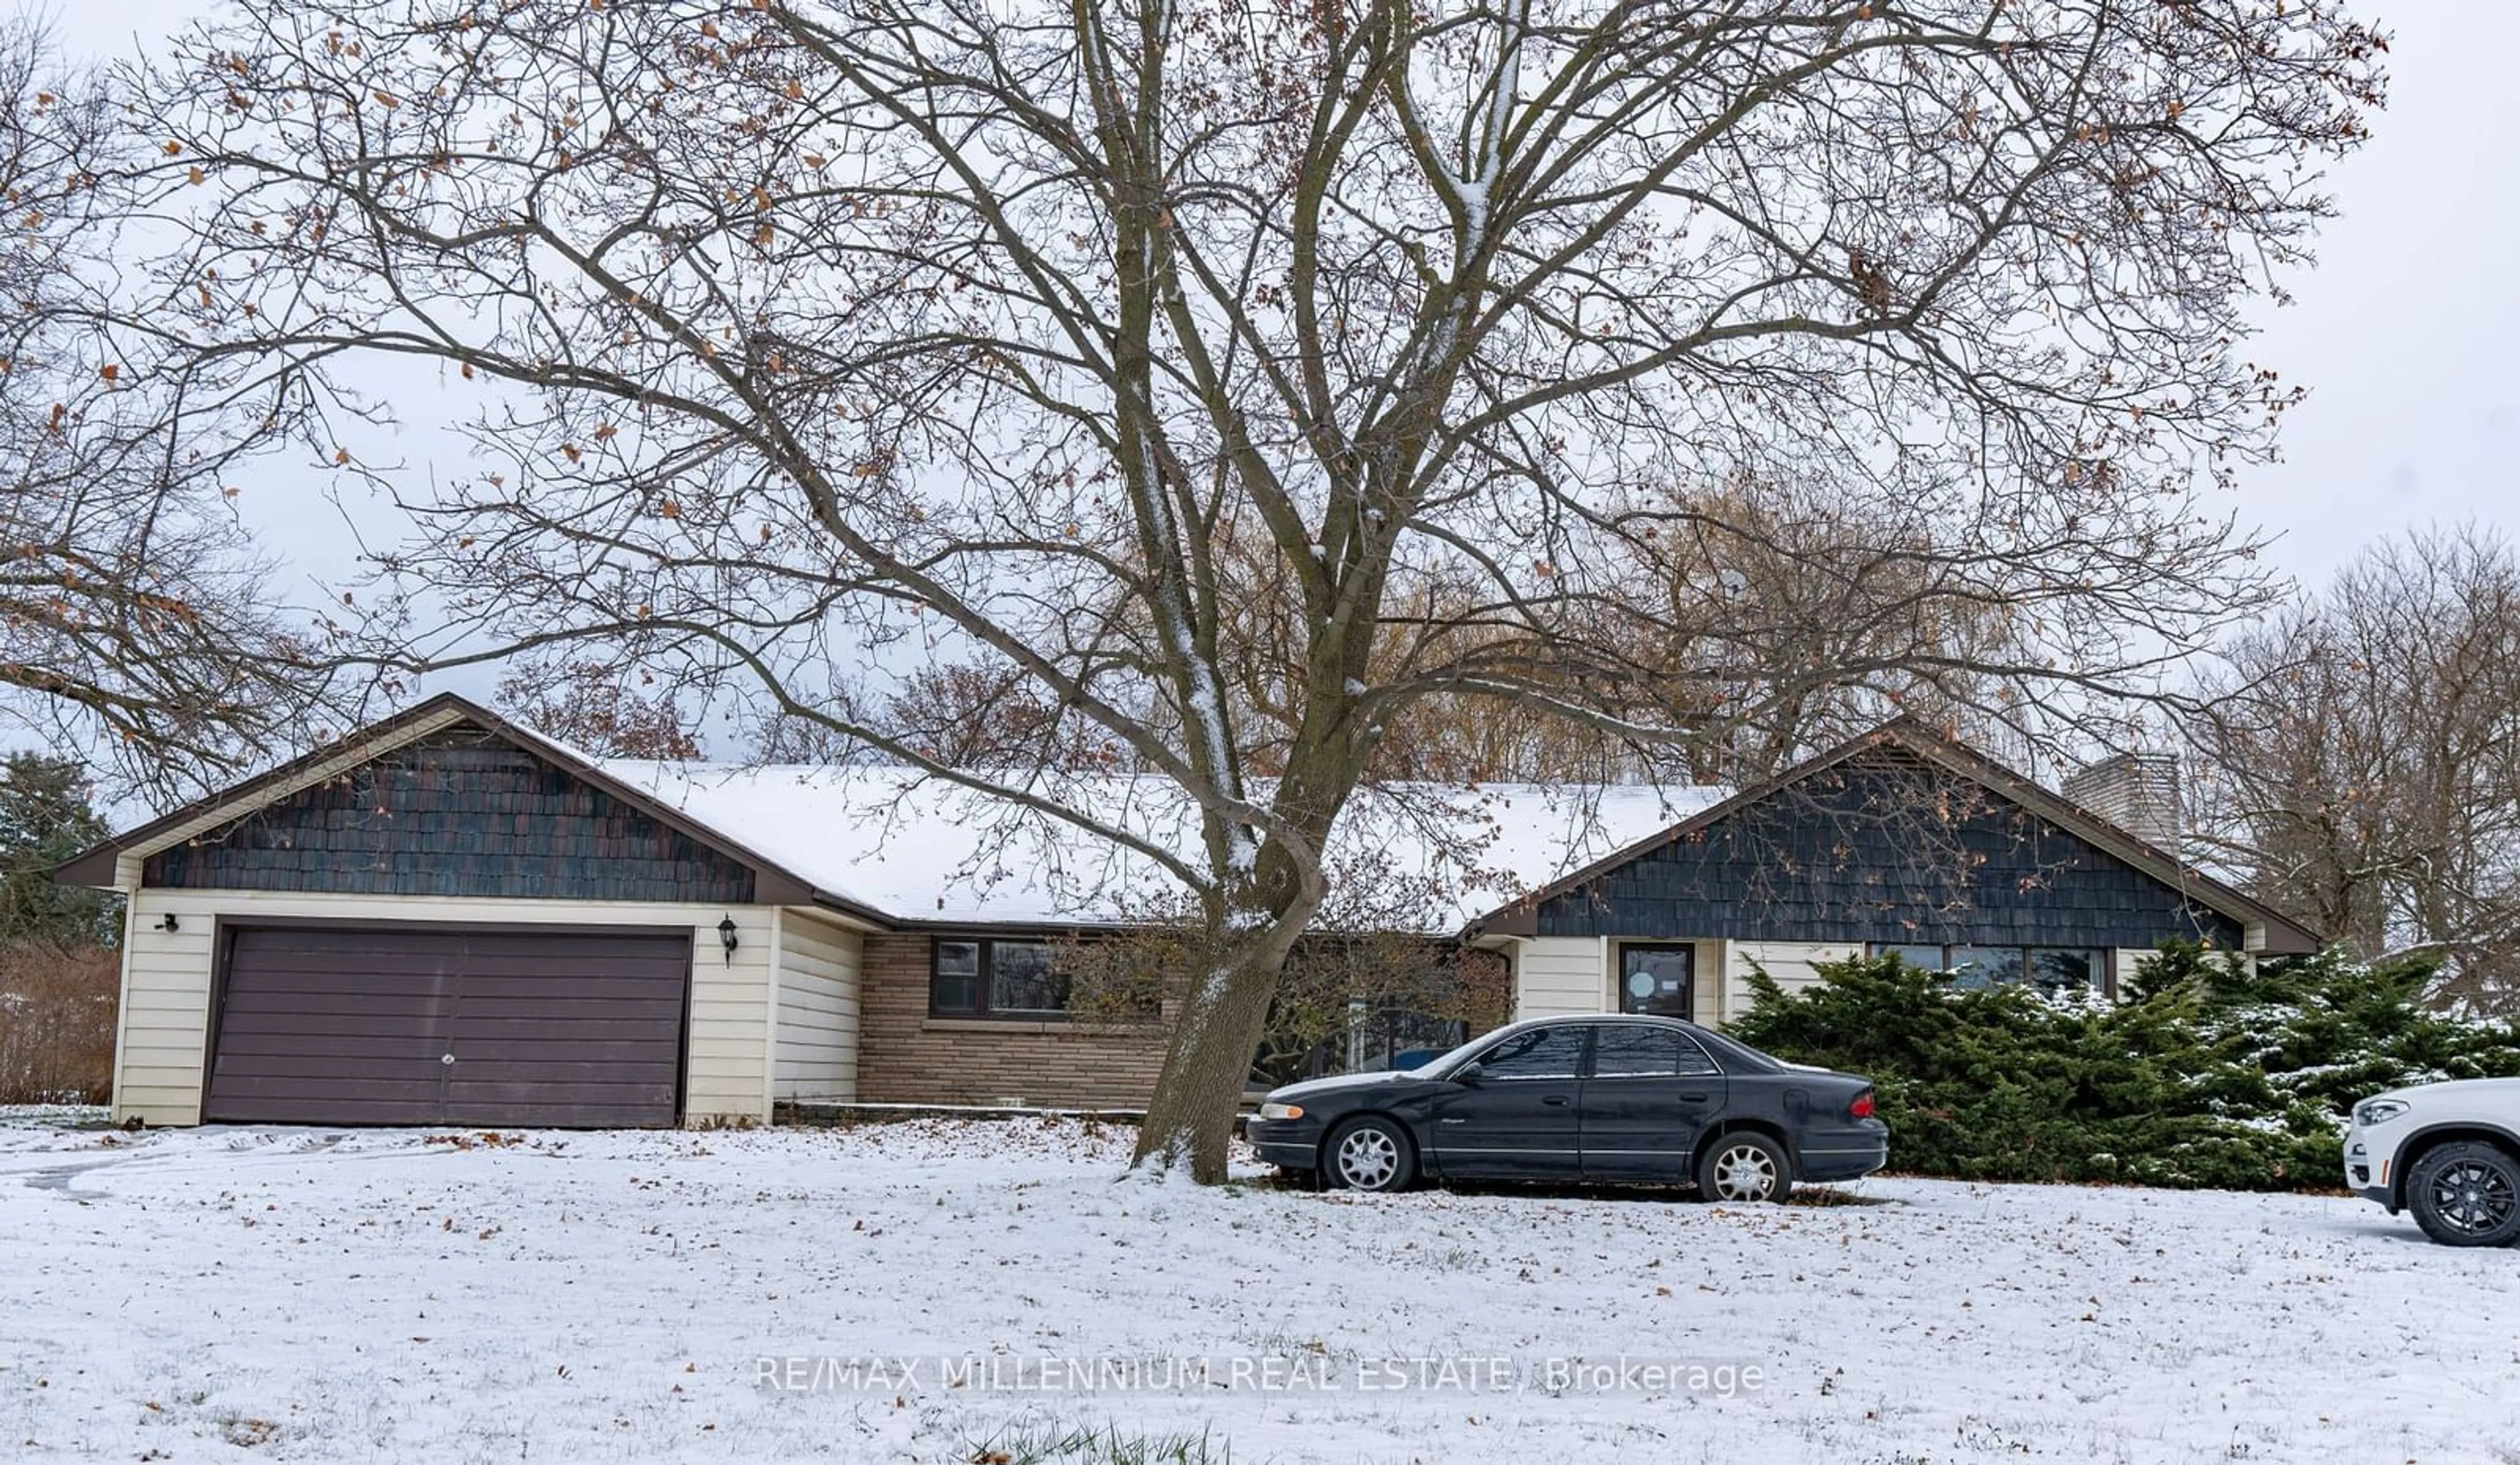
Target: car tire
[
  {"x": 1370, "y": 1153},
  {"x": 2467, "y": 1193},
  {"x": 1744, "y": 1168}
]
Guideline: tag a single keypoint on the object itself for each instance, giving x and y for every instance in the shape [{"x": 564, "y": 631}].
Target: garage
[{"x": 406, "y": 1024}]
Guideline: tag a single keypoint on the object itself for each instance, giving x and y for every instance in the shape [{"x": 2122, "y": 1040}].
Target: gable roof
[
  {"x": 2282, "y": 934},
  {"x": 902, "y": 848},
  {"x": 897, "y": 848},
  {"x": 102, "y": 866}
]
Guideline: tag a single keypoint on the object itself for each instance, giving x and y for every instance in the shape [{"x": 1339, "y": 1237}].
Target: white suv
[{"x": 2448, "y": 1152}]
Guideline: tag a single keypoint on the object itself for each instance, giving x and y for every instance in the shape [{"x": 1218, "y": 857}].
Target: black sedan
[{"x": 1623, "y": 1099}]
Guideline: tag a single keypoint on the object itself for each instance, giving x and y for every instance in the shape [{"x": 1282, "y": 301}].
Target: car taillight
[{"x": 1861, "y": 1107}]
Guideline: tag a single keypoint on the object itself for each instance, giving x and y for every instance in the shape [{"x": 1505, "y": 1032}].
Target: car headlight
[
  {"x": 1282, "y": 1110},
  {"x": 2377, "y": 1110}
]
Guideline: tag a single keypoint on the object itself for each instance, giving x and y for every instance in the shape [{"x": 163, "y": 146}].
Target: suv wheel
[
  {"x": 1370, "y": 1153},
  {"x": 2466, "y": 1194}
]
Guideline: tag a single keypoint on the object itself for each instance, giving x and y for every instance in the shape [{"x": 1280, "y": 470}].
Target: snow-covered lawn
[{"x": 388, "y": 1296}]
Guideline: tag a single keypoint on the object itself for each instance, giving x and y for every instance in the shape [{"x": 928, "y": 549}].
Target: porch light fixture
[{"x": 726, "y": 938}]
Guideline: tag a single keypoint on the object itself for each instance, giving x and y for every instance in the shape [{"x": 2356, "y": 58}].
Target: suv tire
[{"x": 2467, "y": 1193}]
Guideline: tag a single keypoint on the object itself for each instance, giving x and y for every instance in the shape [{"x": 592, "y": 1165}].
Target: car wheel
[
  {"x": 2466, "y": 1194},
  {"x": 1745, "y": 1168},
  {"x": 1370, "y": 1153}
]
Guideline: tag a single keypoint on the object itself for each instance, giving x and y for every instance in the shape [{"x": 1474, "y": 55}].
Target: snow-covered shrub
[{"x": 2208, "y": 1073}]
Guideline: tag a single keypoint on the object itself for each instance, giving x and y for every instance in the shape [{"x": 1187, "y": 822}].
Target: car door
[
  {"x": 1650, "y": 1091},
  {"x": 1516, "y": 1119}
]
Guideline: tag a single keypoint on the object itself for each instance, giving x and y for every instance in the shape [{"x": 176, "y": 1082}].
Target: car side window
[
  {"x": 1541, "y": 1053},
  {"x": 1642, "y": 1052}
]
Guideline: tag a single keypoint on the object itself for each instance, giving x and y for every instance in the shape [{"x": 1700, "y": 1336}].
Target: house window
[
  {"x": 2058, "y": 968},
  {"x": 2050, "y": 969},
  {"x": 969, "y": 977},
  {"x": 1976, "y": 968}
]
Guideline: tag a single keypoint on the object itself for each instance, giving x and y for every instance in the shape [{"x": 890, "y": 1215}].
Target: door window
[
  {"x": 1657, "y": 981},
  {"x": 1541, "y": 1053},
  {"x": 1646, "y": 1052}
]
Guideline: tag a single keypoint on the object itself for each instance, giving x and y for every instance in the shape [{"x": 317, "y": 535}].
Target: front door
[
  {"x": 1651, "y": 1092},
  {"x": 1658, "y": 981},
  {"x": 1516, "y": 1121}
]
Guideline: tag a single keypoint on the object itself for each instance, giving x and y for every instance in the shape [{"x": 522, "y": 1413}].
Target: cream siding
[
  {"x": 2122, "y": 962},
  {"x": 1793, "y": 965},
  {"x": 164, "y": 1034},
  {"x": 1557, "y": 976},
  {"x": 817, "y": 1038},
  {"x": 1564, "y": 976}
]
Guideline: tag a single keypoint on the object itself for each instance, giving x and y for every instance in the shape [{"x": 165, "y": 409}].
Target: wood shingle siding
[
  {"x": 459, "y": 812},
  {"x": 1884, "y": 848}
]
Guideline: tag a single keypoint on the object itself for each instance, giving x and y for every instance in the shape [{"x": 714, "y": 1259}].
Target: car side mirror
[{"x": 1468, "y": 1074}]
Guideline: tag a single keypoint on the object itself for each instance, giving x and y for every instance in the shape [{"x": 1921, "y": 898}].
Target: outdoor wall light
[
  {"x": 167, "y": 923},
  {"x": 726, "y": 938}
]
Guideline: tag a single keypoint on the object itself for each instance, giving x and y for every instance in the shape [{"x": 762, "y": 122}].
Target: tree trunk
[{"x": 1189, "y": 1120}]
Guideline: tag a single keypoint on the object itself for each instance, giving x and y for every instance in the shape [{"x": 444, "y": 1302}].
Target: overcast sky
[{"x": 2404, "y": 334}]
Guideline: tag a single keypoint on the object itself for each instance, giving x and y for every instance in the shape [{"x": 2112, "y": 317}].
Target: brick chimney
[{"x": 2137, "y": 792}]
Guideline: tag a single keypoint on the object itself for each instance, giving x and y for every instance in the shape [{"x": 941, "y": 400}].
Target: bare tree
[
  {"x": 2363, "y": 760},
  {"x": 1810, "y": 613},
  {"x": 136, "y": 621},
  {"x": 598, "y": 709},
  {"x": 994, "y": 717},
  {"x": 1790, "y": 616},
  {"x": 852, "y": 334}
]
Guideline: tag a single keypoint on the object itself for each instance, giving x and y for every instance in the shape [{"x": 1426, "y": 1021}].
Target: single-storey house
[
  {"x": 447, "y": 918},
  {"x": 1901, "y": 841}
]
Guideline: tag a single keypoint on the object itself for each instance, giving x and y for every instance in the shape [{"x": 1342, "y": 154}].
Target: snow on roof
[{"x": 925, "y": 849}]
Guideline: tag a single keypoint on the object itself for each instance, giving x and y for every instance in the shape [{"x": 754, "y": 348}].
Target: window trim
[{"x": 983, "y": 980}]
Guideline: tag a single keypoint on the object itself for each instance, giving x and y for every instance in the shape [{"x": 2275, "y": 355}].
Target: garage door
[{"x": 560, "y": 1027}]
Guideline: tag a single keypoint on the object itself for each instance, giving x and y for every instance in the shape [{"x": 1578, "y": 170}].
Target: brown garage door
[{"x": 426, "y": 1026}]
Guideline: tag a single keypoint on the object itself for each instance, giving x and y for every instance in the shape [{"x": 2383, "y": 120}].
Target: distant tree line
[{"x": 2358, "y": 759}]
